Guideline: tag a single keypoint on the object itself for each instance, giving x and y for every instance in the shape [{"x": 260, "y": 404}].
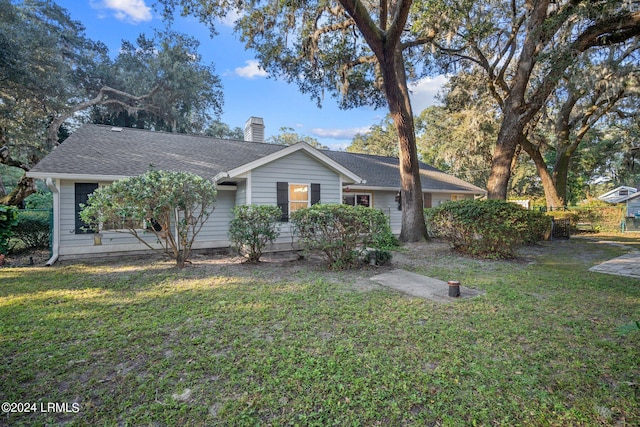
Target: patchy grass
[{"x": 153, "y": 345}]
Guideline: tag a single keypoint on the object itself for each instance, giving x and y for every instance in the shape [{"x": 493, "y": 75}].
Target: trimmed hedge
[
  {"x": 339, "y": 231},
  {"x": 487, "y": 228}
]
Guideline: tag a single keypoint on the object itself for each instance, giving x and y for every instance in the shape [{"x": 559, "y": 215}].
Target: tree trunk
[
  {"x": 561, "y": 173},
  {"x": 506, "y": 145},
  {"x": 385, "y": 42},
  {"x": 553, "y": 199},
  {"x": 397, "y": 93}
]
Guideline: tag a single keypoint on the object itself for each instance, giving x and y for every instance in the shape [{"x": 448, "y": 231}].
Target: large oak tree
[
  {"x": 361, "y": 52},
  {"x": 525, "y": 49},
  {"x": 50, "y": 72}
]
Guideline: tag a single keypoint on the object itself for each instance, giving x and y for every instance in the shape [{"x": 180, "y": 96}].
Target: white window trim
[{"x": 308, "y": 185}]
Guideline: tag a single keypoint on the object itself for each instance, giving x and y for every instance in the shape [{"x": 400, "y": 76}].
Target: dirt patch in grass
[
  {"x": 280, "y": 266},
  {"x": 27, "y": 258}
]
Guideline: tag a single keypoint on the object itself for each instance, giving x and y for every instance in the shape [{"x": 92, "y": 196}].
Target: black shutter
[
  {"x": 82, "y": 190},
  {"x": 283, "y": 200},
  {"x": 315, "y": 193}
]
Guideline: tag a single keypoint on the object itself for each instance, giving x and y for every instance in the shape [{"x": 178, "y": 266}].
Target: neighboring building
[
  {"x": 245, "y": 172},
  {"x": 632, "y": 213},
  {"x": 617, "y": 194}
]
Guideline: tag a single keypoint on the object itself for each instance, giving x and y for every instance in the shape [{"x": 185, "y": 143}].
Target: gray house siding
[
  {"x": 241, "y": 193},
  {"x": 386, "y": 202},
  {"x": 633, "y": 207},
  {"x": 73, "y": 244},
  {"x": 251, "y": 172},
  {"x": 296, "y": 168},
  {"x": 214, "y": 233}
]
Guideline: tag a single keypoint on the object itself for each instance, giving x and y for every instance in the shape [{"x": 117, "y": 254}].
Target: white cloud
[
  {"x": 231, "y": 17},
  {"x": 251, "y": 70},
  {"x": 134, "y": 11},
  {"x": 336, "y": 133},
  {"x": 423, "y": 92}
]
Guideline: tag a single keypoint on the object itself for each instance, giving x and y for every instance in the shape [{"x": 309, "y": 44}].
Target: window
[
  {"x": 426, "y": 198},
  {"x": 82, "y": 192},
  {"x": 123, "y": 223},
  {"x": 291, "y": 197},
  {"x": 357, "y": 199},
  {"x": 298, "y": 197}
]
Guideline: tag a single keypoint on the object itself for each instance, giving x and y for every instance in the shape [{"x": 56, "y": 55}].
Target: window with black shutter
[
  {"x": 315, "y": 194},
  {"x": 82, "y": 192},
  {"x": 283, "y": 200},
  {"x": 291, "y": 197}
]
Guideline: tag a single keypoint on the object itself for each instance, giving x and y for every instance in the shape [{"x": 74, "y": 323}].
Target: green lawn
[{"x": 152, "y": 345}]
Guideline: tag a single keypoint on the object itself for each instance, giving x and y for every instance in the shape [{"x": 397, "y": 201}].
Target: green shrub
[
  {"x": 32, "y": 229},
  {"x": 377, "y": 256},
  {"x": 179, "y": 203},
  {"x": 601, "y": 218},
  {"x": 571, "y": 216},
  {"x": 538, "y": 226},
  {"x": 253, "y": 227},
  {"x": 340, "y": 231},
  {"x": 8, "y": 220},
  {"x": 42, "y": 199},
  {"x": 486, "y": 228}
]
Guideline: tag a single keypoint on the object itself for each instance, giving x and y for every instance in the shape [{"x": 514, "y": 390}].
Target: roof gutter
[
  {"x": 56, "y": 221},
  {"x": 219, "y": 176}
]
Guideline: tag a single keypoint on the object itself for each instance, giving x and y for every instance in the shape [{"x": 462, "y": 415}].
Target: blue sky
[{"x": 248, "y": 90}]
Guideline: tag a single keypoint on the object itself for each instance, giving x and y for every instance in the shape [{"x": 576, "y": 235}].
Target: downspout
[{"x": 56, "y": 221}]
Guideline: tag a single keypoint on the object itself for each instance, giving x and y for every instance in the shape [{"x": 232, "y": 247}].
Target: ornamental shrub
[
  {"x": 487, "y": 228},
  {"x": 8, "y": 220},
  {"x": 340, "y": 232},
  {"x": 175, "y": 205},
  {"x": 252, "y": 228}
]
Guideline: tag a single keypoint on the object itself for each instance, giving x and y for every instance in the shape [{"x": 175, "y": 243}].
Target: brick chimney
[{"x": 254, "y": 129}]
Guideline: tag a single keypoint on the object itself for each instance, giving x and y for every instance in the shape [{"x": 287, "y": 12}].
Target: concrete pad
[
  {"x": 422, "y": 286},
  {"x": 625, "y": 265}
]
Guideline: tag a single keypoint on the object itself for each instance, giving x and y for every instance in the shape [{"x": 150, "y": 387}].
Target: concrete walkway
[
  {"x": 625, "y": 265},
  {"x": 422, "y": 286}
]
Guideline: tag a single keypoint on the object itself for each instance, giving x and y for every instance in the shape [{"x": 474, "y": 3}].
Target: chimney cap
[{"x": 255, "y": 120}]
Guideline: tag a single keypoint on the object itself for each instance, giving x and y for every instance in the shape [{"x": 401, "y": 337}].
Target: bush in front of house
[
  {"x": 175, "y": 205},
  {"x": 341, "y": 231},
  {"x": 32, "y": 229},
  {"x": 252, "y": 228},
  {"x": 486, "y": 228}
]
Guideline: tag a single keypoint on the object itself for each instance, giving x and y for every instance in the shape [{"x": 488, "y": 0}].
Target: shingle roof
[
  {"x": 382, "y": 171},
  {"x": 98, "y": 150}
]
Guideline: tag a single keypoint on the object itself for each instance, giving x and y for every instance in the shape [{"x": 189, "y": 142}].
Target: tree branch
[{"x": 102, "y": 98}]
